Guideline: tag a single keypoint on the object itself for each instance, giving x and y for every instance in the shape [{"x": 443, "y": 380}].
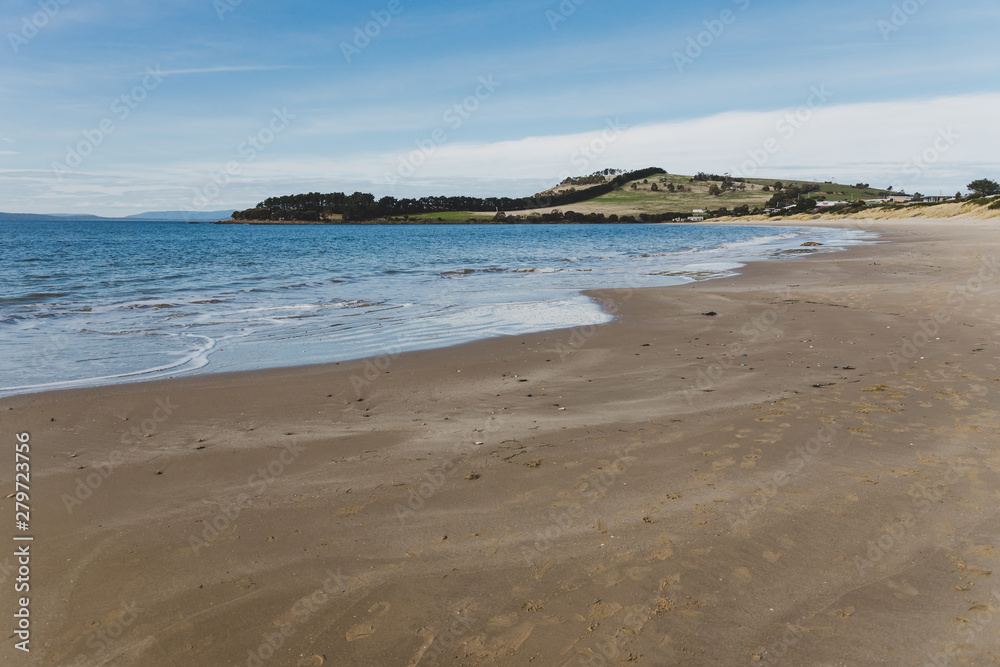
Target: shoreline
[
  {"x": 197, "y": 361},
  {"x": 637, "y": 488},
  {"x": 600, "y": 296}
]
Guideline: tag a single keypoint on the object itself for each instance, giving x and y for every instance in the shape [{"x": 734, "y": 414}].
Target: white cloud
[{"x": 871, "y": 142}]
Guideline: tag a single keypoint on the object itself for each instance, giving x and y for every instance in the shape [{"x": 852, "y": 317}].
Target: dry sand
[
  {"x": 938, "y": 213},
  {"x": 808, "y": 477}
]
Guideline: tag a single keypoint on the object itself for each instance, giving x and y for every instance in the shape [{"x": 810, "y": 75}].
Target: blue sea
[{"x": 94, "y": 303}]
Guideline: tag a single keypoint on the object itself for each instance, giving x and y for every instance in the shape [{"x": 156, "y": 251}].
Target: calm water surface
[{"x": 90, "y": 303}]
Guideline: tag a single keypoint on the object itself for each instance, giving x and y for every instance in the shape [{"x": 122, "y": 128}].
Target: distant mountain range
[{"x": 151, "y": 216}]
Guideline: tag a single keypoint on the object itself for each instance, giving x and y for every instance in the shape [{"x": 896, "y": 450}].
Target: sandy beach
[{"x": 798, "y": 465}]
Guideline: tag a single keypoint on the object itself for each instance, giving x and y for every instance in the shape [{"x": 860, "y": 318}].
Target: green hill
[
  {"x": 610, "y": 196},
  {"x": 682, "y": 194},
  {"x": 690, "y": 195}
]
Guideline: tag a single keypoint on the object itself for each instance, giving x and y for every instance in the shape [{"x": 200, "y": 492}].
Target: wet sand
[{"x": 798, "y": 466}]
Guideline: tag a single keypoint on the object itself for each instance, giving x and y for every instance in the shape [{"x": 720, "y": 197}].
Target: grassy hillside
[
  {"x": 644, "y": 199},
  {"x": 652, "y": 195},
  {"x": 689, "y": 195},
  {"x": 832, "y": 191}
]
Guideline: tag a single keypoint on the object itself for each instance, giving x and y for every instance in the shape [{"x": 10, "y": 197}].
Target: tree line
[{"x": 361, "y": 206}]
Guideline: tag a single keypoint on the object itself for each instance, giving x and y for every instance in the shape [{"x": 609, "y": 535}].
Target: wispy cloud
[
  {"x": 230, "y": 68},
  {"x": 847, "y": 142},
  {"x": 354, "y": 121},
  {"x": 865, "y": 141}
]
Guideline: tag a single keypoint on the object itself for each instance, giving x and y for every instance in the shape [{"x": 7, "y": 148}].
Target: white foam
[{"x": 190, "y": 361}]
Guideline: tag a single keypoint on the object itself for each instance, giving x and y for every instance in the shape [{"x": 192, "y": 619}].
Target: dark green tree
[{"x": 984, "y": 188}]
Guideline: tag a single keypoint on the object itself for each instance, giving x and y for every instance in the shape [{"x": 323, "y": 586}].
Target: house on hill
[
  {"x": 897, "y": 198},
  {"x": 890, "y": 198}
]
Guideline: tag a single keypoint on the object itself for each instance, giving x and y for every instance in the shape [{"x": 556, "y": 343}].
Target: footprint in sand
[
  {"x": 366, "y": 629},
  {"x": 540, "y": 573},
  {"x": 428, "y": 636},
  {"x": 502, "y": 621},
  {"x": 723, "y": 463},
  {"x": 901, "y": 589},
  {"x": 359, "y": 631},
  {"x": 602, "y": 610},
  {"x": 660, "y": 555}
]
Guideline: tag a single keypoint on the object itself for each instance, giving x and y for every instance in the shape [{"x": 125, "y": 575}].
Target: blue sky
[{"x": 120, "y": 107}]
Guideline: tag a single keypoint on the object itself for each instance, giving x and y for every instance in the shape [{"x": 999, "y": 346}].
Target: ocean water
[{"x": 85, "y": 303}]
